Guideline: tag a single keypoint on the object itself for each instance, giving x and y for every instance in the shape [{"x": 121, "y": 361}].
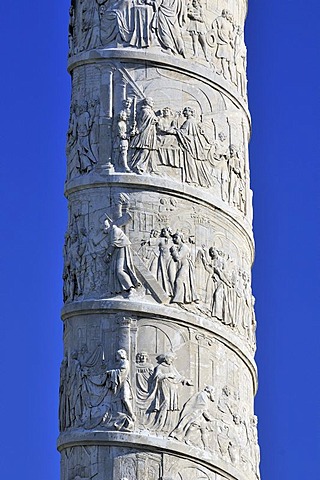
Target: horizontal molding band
[{"x": 154, "y": 444}]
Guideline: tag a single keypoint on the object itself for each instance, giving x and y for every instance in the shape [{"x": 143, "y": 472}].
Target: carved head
[
  {"x": 123, "y": 115},
  {"x": 226, "y": 390},
  {"x": 167, "y": 112},
  {"x": 177, "y": 238},
  {"x": 188, "y": 112},
  {"x": 169, "y": 357},
  {"x": 142, "y": 357},
  {"x": 222, "y": 136},
  {"x": 121, "y": 354},
  {"x": 149, "y": 102},
  {"x": 233, "y": 150},
  {"x": 237, "y": 419},
  {"x": 210, "y": 391}
]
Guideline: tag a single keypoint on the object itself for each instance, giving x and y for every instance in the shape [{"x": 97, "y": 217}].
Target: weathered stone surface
[{"x": 158, "y": 377}]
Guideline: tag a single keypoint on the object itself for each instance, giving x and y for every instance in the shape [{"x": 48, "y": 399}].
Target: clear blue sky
[{"x": 283, "y": 42}]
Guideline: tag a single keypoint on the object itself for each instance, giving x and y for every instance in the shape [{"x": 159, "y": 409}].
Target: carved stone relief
[
  {"x": 165, "y": 27},
  {"x": 201, "y": 402},
  {"x": 173, "y": 264},
  {"x": 189, "y": 133}
]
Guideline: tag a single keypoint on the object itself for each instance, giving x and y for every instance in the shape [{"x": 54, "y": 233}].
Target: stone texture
[{"x": 158, "y": 377}]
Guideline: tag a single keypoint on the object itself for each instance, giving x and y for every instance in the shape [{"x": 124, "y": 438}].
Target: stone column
[{"x": 158, "y": 377}]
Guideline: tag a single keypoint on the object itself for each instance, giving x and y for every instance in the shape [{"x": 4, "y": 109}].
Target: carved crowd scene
[
  {"x": 210, "y": 33},
  {"x": 157, "y": 380},
  {"x": 153, "y": 248},
  {"x": 178, "y": 386},
  {"x": 162, "y": 124}
]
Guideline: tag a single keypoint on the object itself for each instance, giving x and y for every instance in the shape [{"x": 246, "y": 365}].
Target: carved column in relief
[{"x": 158, "y": 377}]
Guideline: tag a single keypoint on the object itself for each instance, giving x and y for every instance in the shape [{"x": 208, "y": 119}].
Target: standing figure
[
  {"x": 144, "y": 372},
  {"x": 119, "y": 394},
  {"x": 144, "y": 143},
  {"x": 237, "y": 181},
  {"x": 166, "y": 268},
  {"x": 169, "y": 151},
  {"x": 168, "y": 19},
  {"x": 86, "y": 158},
  {"x": 222, "y": 169},
  {"x": 217, "y": 288},
  {"x": 164, "y": 406},
  {"x": 197, "y": 28},
  {"x": 64, "y": 415},
  {"x": 184, "y": 289},
  {"x": 240, "y": 55},
  {"x": 114, "y": 21},
  {"x": 193, "y": 143},
  {"x": 224, "y": 29},
  {"x": 121, "y": 271},
  {"x": 74, "y": 392},
  {"x": 121, "y": 144},
  {"x": 90, "y": 27}
]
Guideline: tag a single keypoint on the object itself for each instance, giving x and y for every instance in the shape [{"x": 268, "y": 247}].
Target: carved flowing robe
[
  {"x": 167, "y": 22},
  {"x": 166, "y": 268},
  {"x": 121, "y": 272},
  {"x": 107, "y": 396},
  {"x": 115, "y": 20},
  {"x": 164, "y": 399},
  {"x": 184, "y": 290},
  {"x": 145, "y": 158},
  {"x": 193, "y": 143},
  {"x": 194, "y": 413}
]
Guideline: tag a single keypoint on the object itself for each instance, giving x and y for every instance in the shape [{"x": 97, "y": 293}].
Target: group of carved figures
[
  {"x": 82, "y": 137},
  {"x": 120, "y": 274},
  {"x": 227, "y": 298},
  {"x": 162, "y": 23},
  {"x": 93, "y": 396},
  {"x": 147, "y": 140}
]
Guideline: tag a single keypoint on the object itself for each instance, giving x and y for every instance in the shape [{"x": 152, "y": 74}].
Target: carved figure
[
  {"x": 64, "y": 414},
  {"x": 195, "y": 417},
  {"x": 240, "y": 55},
  {"x": 164, "y": 397},
  {"x": 74, "y": 391},
  {"x": 217, "y": 288},
  {"x": 121, "y": 145},
  {"x": 144, "y": 372},
  {"x": 222, "y": 168},
  {"x": 107, "y": 394},
  {"x": 119, "y": 410},
  {"x": 121, "y": 271},
  {"x": 90, "y": 25},
  {"x": 114, "y": 21},
  {"x": 184, "y": 290},
  {"x": 71, "y": 31},
  {"x": 238, "y": 439},
  {"x": 169, "y": 151},
  {"x": 224, "y": 30},
  {"x": 193, "y": 143},
  {"x": 166, "y": 267},
  {"x": 169, "y": 17},
  {"x": 237, "y": 180},
  {"x": 144, "y": 143},
  {"x": 254, "y": 446},
  {"x": 197, "y": 28},
  {"x": 86, "y": 158}
]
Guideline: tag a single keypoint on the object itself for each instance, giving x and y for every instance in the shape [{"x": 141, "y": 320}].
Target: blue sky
[{"x": 283, "y": 43}]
